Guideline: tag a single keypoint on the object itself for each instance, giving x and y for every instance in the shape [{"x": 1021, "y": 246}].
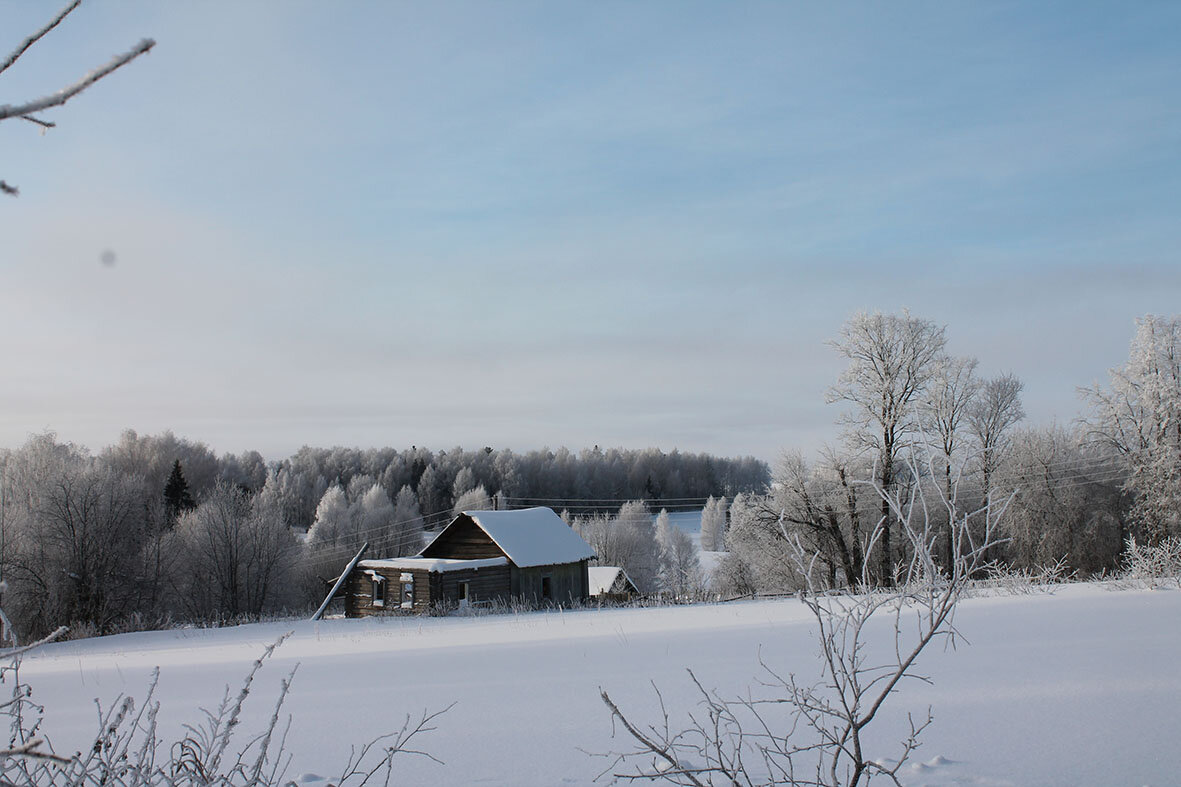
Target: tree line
[
  {"x": 1071, "y": 498},
  {"x": 157, "y": 528}
]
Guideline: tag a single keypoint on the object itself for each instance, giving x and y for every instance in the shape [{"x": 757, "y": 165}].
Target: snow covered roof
[
  {"x": 435, "y": 564},
  {"x": 533, "y": 536},
  {"x": 603, "y": 579}
]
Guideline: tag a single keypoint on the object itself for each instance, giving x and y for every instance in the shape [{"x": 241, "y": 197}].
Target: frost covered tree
[
  {"x": 91, "y": 530},
  {"x": 465, "y": 481},
  {"x": 475, "y": 499},
  {"x": 1067, "y": 506},
  {"x": 1139, "y": 417},
  {"x": 637, "y": 532},
  {"x": 431, "y": 491},
  {"x": 333, "y": 524},
  {"x": 73, "y": 532},
  {"x": 373, "y": 518},
  {"x": 247, "y": 469},
  {"x": 713, "y": 525},
  {"x": 811, "y": 507},
  {"x": 628, "y": 540},
  {"x": 407, "y": 523},
  {"x": 357, "y": 487},
  {"x": 238, "y": 551},
  {"x": 664, "y": 542},
  {"x": 681, "y": 566},
  {"x": 891, "y": 360},
  {"x": 757, "y": 559}
]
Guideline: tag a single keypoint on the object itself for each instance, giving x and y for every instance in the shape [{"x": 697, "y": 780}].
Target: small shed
[
  {"x": 527, "y": 555},
  {"x": 611, "y": 583}
]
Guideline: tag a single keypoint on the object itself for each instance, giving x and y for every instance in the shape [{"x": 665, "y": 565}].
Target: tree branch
[
  {"x": 65, "y": 94},
  {"x": 28, "y": 42}
]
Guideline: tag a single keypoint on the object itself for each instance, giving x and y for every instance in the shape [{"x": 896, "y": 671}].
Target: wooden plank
[{"x": 340, "y": 581}]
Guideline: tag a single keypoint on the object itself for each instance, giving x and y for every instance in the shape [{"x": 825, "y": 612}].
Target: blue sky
[{"x": 527, "y": 224}]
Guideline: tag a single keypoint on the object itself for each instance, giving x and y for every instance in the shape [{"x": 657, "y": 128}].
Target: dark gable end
[{"x": 463, "y": 539}]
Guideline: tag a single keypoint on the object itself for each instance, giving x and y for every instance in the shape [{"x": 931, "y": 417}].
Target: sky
[{"x": 528, "y": 224}]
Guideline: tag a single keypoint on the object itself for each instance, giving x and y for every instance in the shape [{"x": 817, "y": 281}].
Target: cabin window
[
  {"x": 547, "y": 587},
  {"x": 407, "y": 581},
  {"x": 378, "y": 590},
  {"x": 464, "y": 594}
]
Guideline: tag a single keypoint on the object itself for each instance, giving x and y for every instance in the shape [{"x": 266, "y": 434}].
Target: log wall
[
  {"x": 569, "y": 582},
  {"x": 358, "y": 600}
]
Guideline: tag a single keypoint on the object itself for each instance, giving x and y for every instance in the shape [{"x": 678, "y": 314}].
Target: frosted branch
[
  {"x": 28, "y": 42},
  {"x": 65, "y": 94}
]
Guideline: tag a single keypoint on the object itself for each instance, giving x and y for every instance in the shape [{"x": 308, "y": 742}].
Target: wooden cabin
[
  {"x": 611, "y": 583},
  {"x": 527, "y": 555}
]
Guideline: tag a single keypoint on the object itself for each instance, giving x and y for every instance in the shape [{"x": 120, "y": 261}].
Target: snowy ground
[{"x": 1081, "y": 687}]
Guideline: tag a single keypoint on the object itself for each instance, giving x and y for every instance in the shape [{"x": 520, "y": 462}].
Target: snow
[
  {"x": 1080, "y": 687},
  {"x": 533, "y": 536},
  {"x": 435, "y": 564}
]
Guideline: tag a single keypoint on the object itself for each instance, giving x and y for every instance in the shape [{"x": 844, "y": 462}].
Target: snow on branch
[
  {"x": 26, "y": 110},
  {"x": 28, "y": 42},
  {"x": 65, "y": 94}
]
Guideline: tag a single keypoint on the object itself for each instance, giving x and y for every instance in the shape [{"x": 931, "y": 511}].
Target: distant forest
[{"x": 158, "y": 529}]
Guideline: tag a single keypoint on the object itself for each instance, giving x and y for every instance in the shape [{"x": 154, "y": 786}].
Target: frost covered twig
[
  {"x": 66, "y": 93},
  {"x": 358, "y": 766},
  {"x": 28, "y": 42},
  {"x": 1153, "y": 565},
  {"x": 27, "y": 109}
]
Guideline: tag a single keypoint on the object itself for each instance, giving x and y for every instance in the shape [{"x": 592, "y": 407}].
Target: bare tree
[
  {"x": 891, "y": 360},
  {"x": 792, "y": 731},
  {"x": 27, "y": 110},
  {"x": 239, "y": 554},
  {"x": 991, "y": 418},
  {"x": 1068, "y": 508},
  {"x": 950, "y": 395},
  {"x": 819, "y": 508}
]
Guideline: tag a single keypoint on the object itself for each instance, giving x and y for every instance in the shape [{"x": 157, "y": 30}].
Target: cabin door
[{"x": 464, "y": 595}]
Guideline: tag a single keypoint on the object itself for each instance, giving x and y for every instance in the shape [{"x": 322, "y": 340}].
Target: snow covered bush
[
  {"x": 1153, "y": 565},
  {"x": 1022, "y": 581}
]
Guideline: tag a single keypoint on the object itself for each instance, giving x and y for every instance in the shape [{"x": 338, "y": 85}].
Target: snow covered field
[{"x": 1081, "y": 687}]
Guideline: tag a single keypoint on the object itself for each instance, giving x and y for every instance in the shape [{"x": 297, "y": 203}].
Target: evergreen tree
[{"x": 177, "y": 498}]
